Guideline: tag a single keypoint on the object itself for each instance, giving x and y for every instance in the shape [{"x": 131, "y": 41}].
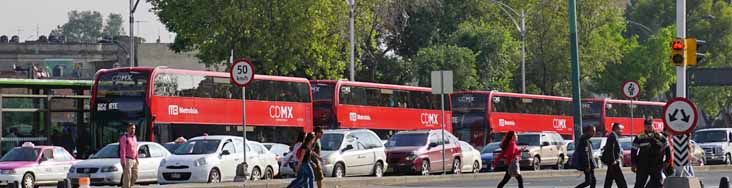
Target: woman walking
[
  {"x": 305, "y": 177},
  {"x": 511, "y": 152}
]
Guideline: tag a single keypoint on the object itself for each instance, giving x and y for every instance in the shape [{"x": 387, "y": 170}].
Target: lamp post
[
  {"x": 521, "y": 27},
  {"x": 352, "y": 6},
  {"x": 133, "y": 7}
]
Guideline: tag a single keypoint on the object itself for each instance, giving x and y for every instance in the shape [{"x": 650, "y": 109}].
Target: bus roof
[
  {"x": 44, "y": 83},
  {"x": 198, "y": 72},
  {"x": 506, "y": 94},
  {"x": 616, "y": 101},
  {"x": 374, "y": 85}
]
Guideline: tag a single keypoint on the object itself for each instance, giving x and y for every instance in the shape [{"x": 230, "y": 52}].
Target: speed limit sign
[{"x": 241, "y": 72}]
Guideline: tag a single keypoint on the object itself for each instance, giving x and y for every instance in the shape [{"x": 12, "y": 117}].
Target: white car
[
  {"x": 597, "y": 144},
  {"x": 104, "y": 167},
  {"x": 29, "y": 166},
  {"x": 471, "y": 158},
  {"x": 278, "y": 149},
  {"x": 262, "y": 163}
]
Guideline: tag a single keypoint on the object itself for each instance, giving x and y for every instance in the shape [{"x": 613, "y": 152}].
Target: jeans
[
  {"x": 305, "y": 177},
  {"x": 615, "y": 173},
  {"x": 589, "y": 179},
  {"x": 508, "y": 177}
]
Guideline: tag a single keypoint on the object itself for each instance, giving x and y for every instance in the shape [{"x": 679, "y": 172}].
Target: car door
[
  {"x": 45, "y": 170},
  {"x": 145, "y": 163},
  {"x": 435, "y": 153},
  {"x": 63, "y": 162},
  {"x": 548, "y": 153},
  {"x": 157, "y": 154},
  {"x": 349, "y": 153},
  {"x": 227, "y": 164},
  {"x": 366, "y": 157}
]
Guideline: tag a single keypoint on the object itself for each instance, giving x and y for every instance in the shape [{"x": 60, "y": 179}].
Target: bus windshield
[{"x": 119, "y": 100}]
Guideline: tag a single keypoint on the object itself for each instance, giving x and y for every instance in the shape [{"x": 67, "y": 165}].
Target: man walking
[
  {"x": 317, "y": 168},
  {"x": 128, "y": 156},
  {"x": 649, "y": 151},
  {"x": 584, "y": 157},
  {"x": 613, "y": 161}
]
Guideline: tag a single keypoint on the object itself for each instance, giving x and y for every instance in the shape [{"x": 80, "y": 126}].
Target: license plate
[{"x": 175, "y": 176}]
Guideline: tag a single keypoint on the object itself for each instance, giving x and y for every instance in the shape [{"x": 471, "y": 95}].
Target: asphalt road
[{"x": 710, "y": 180}]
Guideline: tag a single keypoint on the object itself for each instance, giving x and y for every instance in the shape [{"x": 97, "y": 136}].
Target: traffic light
[{"x": 678, "y": 50}]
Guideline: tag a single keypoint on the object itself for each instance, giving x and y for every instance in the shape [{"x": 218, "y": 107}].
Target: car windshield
[
  {"x": 171, "y": 147},
  {"x": 570, "y": 146},
  {"x": 490, "y": 148},
  {"x": 710, "y": 136},
  {"x": 528, "y": 140},
  {"x": 596, "y": 143},
  {"x": 331, "y": 142},
  {"x": 197, "y": 147},
  {"x": 410, "y": 139},
  {"x": 22, "y": 154},
  {"x": 109, "y": 151}
]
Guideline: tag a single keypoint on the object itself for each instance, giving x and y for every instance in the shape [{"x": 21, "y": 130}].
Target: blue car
[{"x": 486, "y": 155}]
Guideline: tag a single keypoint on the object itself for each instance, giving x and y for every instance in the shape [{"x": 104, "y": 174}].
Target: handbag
[{"x": 513, "y": 168}]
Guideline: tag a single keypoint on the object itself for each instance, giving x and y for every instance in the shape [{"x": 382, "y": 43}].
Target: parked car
[
  {"x": 627, "y": 144},
  {"x": 597, "y": 144},
  {"x": 104, "y": 167},
  {"x": 352, "y": 153},
  {"x": 204, "y": 159},
  {"x": 717, "y": 144},
  {"x": 421, "y": 152},
  {"x": 570, "y": 152},
  {"x": 471, "y": 158},
  {"x": 262, "y": 162},
  {"x": 540, "y": 149},
  {"x": 278, "y": 149},
  {"x": 30, "y": 166},
  {"x": 486, "y": 155}
]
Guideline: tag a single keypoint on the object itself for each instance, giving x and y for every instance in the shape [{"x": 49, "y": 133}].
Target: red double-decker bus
[
  {"x": 382, "y": 108},
  {"x": 169, "y": 103},
  {"x": 605, "y": 112},
  {"x": 481, "y": 117}
]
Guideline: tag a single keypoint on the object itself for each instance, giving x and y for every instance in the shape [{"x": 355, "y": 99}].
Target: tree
[
  {"x": 113, "y": 26},
  {"x": 84, "y": 26},
  {"x": 447, "y": 57}
]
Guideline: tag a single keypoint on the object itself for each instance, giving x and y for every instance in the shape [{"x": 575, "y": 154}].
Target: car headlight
[
  {"x": 110, "y": 169},
  {"x": 411, "y": 156},
  {"x": 72, "y": 170},
  {"x": 162, "y": 163},
  {"x": 11, "y": 171},
  {"x": 717, "y": 150},
  {"x": 200, "y": 162}
]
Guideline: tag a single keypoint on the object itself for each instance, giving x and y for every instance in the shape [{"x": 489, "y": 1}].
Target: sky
[{"x": 31, "y": 18}]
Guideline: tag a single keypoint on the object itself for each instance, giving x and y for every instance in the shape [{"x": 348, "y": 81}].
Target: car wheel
[
  {"x": 425, "y": 167},
  {"x": 537, "y": 163},
  {"x": 476, "y": 167},
  {"x": 379, "y": 169},
  {"x": 560, "y": 163},
  {"x": 727, "y": 159},
  {"x": 28, "y": 181},
  {"x": 256, "y": 174},
  {"x": 456, "y": 168},
  {"x": 268, "y": 173},
  {"x": 214, "y": 176},
  {"x": 339, "y": 171}
]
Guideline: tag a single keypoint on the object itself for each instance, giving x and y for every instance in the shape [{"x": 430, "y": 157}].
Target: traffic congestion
[{"x": 182, "y": 126}]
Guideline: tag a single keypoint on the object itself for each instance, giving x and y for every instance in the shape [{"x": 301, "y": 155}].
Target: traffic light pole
[
  {"x": 681, "y": 80},
  {"x": 576, "y": 103}
]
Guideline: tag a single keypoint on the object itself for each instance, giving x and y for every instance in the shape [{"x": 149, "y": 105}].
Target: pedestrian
[
  {"x": 511, "y": 152},
  {"x": 317, "y": 168},
  {"x": 649, "y": 156},
  {"x": 583, "y": 157},
  {"x": 128, "y": 156},
  {"x": 295, "y": 148},
  {"x": 612, "y": 147},
  {"x": 305, "y": 177}
]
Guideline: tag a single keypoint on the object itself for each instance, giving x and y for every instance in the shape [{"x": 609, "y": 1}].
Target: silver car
[
  {"x": 104, "y": 168},
  {"x": 352, "y": 153}
]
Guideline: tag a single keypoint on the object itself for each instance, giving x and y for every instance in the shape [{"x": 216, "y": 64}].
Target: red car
[
  {"x": 626, "y": 143},
  {"x": 421, "y": 152}
]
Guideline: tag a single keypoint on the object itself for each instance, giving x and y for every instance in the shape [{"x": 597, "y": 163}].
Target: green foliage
[
  {"x": 84, "y": 26},
  {"x": 447, "y": 57},
  {"x": 113, "y": 26}
]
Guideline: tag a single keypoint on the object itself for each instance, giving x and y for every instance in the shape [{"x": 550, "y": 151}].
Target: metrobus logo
[
  {"x": 560, "y": 123},
  {"x": 353, "y": 116},
  {"x": 429, "y": 119},
  {"x": 280, "y": 112},
  {"x": 175, "y": 110},
  {"x": 503, "y": 123}
]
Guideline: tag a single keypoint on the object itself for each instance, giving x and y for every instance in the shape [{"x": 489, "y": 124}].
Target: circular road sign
[
  {"x": 631, "y": 89},
  {"x": 241, "y": 72},
  {"x": 680, "y": 116}
]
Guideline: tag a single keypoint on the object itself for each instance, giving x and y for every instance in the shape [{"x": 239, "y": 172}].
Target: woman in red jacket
[{"x": 511, "y": 152}]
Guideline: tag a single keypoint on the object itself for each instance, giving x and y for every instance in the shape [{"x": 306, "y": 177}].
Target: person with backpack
[
  {"x": 611, "y": 156},
  {"x": 650, "y": 155},
  {"x": 128, "y": 156},
  {"x": 583, "y": 157},
  {"x": 511, "y": 152}
]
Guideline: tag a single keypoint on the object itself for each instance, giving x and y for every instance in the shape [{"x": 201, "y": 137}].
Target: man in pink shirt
[{"x": 128, "y": 156}]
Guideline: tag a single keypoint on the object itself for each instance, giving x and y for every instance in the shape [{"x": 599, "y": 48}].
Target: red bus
[
  {"x": 481, "y": 117},
  {"x": 169, "y": 103},
  {"x": 382, "y": 108},
  {"x": 605, "y": 112}
]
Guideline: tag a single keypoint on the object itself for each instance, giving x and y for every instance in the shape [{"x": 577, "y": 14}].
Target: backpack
[{"x": 606, "y": 157}]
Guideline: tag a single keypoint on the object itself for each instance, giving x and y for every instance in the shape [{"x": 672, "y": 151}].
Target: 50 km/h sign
[
  {"x": 680, "y": 116},
  {"x": 631, "y": 89},
  {"x": 241, "y": 72}
]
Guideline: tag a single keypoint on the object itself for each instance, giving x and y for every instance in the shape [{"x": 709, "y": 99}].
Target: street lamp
[
  {"x": 521, "y": 26},
  {"x": 352, "y": 6},
  {"x": 650, "y": 32}
]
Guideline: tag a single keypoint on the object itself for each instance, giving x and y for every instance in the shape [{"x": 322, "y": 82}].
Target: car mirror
[
  {"x": 225, "y": 152},
  {"x": 432, "y": 145},
  {"x": 348, "y": 147},
  {"x": 545, "y": 144}
]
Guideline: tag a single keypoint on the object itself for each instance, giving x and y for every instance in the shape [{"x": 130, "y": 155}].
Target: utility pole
[
  {"x": 351, "y": 69},
  {"x": 133, "y": 7},
  {"x": 576, "y": 103}
]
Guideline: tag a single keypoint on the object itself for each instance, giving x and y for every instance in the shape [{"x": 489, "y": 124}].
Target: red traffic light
[{"x": 677, "y": 45}]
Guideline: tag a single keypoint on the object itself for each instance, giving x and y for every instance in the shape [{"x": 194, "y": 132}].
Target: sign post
[
  {"x": 631, "y": 90},
  {"x": 442, "y": 84},
  {"x": 680, "y": 117},
  {"x": 242, "y": 74}
]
